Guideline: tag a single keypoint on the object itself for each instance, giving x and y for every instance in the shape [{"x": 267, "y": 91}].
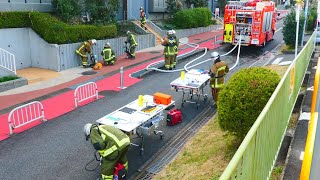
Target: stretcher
[
  {"x": 191, "y": 86},
  {"x": 142, "y": 120}
]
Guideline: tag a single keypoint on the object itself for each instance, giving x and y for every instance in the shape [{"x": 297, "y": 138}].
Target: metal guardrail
[
  {"x": 8, "y": 61},
  {"x": 310, "y": 142},
  {"x": 85, "y": 92},
  {"x": 25, "y": 114},
  {"x": 257, "y": 153}
]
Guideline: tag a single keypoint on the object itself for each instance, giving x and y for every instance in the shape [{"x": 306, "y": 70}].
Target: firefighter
[
  {"x": 143, "y": 19},
  {"x": 112, "y": 145},
  {"x": 86, "y": 47},
  {"x": 217, "y": 74},
  {"x": 133, "y": 44},
  {"x": 176, "y": 48},
  {"x": 108, "y": 55},
  {"x": 169, "y": 53}
]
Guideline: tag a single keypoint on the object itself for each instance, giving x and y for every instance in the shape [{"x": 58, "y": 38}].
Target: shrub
[
  {"x": 173, "y": 6},
  {"x": 243, "y": 98},
  {"x": 53, "y": 30},
  {"x": 289, "y": 28},
  {"x": 102, "y": 11},
  {"x": 14, "y": 20},
  {"x": 312, "y": 17},
  {"x": 191, "y": 18},
  {"x": 197, "y": 3},
  {"x": 7, "y": 78},
  {"x": 66, "y": 9}
]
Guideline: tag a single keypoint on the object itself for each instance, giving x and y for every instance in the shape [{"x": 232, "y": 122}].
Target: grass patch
[
  {"x": 205, "y": 156},
  {"x": 281, "y": 70},
  {"x": 7, "y": 78},
  {"x": 287, "y": 48},
  {"x": 277, "y": 173},
  {"x": 293, "y": 120}
]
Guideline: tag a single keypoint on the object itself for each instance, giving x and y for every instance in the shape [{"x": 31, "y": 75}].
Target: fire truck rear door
[{"x": 228, "y": 32}]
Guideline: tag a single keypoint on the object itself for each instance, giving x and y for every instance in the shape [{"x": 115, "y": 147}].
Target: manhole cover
[
  {"x": 87, "y": 73},
  {"x": 154, "y": 52}
]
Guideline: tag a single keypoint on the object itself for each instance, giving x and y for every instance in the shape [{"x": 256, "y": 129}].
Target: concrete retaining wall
[
  {"x": 32, "y": 51},
  {"x": 5, "y": 86},
  {"x": 69, "y": 59},
  {"x": 31, "y": 5},
  {"x": 181, "y": 33}
]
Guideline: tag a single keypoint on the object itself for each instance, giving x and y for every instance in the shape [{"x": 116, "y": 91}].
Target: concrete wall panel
[
  {"x": 19, "y": 5},
  {"x": 17, "y": 41}
]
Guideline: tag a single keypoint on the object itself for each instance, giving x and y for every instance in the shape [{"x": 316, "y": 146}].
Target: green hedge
[
  {"x": 243, "y": 98},
  {"x": 192, "y": 18},
  {"x": 53, "y": 30}
]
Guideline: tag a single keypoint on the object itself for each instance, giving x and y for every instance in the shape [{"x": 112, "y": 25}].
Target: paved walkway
[{"x": 72, "y": 77}]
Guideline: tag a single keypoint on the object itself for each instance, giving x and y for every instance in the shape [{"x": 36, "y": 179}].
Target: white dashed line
[
  {"x": 277, "y": 61},
  {"x": 278, "y": 29}
]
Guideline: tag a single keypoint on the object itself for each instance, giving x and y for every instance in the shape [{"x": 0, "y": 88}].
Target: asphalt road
[{"x": 57, "y": 149}]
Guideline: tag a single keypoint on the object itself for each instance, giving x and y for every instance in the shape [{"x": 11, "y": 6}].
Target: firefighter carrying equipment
[
  {"x": 85, "y": 47},
  {"x": 133, "y": 44},
  {"x": 112, "y": 145},
  {"x": 169, "y": 44},
  {"x": 217, "y": 74}
]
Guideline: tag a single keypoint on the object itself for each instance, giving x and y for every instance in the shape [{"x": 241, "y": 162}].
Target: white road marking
[
  {"x": 278, "y": 29},
  {"x": 301, "y": 155},
  {"x": 277, "y": 61},
  {"x": 305, "y": 116},
  {"x": 285, "y": 63}
]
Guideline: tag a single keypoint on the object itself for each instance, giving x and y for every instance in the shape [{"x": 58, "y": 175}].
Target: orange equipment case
[{"x": 161, "y": 98}]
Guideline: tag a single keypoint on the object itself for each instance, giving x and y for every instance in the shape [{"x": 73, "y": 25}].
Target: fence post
[{"x": 121, "y": 79}]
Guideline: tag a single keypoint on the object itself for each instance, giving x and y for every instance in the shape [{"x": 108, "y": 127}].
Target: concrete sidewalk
[{"x": 74, "y": 76}]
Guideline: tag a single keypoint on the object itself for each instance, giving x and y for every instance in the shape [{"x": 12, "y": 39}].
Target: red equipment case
[
  {"x": 174, "y": 117},
  {"x": 120, "y": 172}
]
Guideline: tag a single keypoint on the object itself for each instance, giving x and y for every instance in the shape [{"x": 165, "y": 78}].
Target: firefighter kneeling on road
[
  {"x": 112, "y": 145},
  {"x": 86, "y": 47},
  {"x": 108, "y": 55},
  {"x": 169, "y": 44},
  {"x": 217, "y": 74}
]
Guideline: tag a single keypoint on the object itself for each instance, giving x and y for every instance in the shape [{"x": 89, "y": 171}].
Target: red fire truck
[{"x": 253, "y": 20}]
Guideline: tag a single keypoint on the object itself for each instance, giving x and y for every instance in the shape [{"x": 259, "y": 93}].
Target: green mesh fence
[{"x": 257, "y": 154}]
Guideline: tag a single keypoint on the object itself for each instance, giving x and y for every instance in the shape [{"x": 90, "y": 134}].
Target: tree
[
  {"x": 173, "y": 6},
  {"x": 197, "y": 3},
  {"x": 103, "y": 11},
  {"x": 66, "y": 9},
  {"x": 289, "y": 28},
  {"x": 243, "y": 98}
]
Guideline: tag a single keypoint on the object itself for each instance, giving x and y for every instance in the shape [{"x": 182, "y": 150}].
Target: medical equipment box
[{"x": 161, "y": 98}]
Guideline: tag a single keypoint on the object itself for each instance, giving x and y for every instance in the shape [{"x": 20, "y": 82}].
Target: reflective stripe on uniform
[
  {"x": 126, "y": 165},
  {"x": 81, "y": 47},
  {"x": 110, "y": 56},
  {"x": 107, "y": 152},
  {"x": 104, "y": 177},
  {"x": 119, "y": 143},
  {"x": 216, "y": 84},
  {"x": 133, "y": 39}
]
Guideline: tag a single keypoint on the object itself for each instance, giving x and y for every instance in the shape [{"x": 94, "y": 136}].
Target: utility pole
[
  {"x": 297, "y": 28},
  {"x": 305, "y": 20}
]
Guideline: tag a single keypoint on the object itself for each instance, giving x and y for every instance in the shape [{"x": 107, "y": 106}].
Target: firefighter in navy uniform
[
  {"x": 217, "y": 73},
  {"x": 132, "y": 45},
  {"x": 112, "y": 145},
  {"x": 143, "y": 19},
  {"x": 86, "y": 47},
  {"x": 169, "y": 51},
  {"x": 108, "y": 55}
]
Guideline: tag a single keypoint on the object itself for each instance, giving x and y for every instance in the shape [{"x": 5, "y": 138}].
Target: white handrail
[
  {"x": 85, "y": 92},
  {"x": 8, "y": 61},
  {"x": 25, "y": 114}
]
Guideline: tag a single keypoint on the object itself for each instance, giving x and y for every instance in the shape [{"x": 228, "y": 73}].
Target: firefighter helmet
[
  {"x": 214, "y": 55},
  {"x": 128, "y": 32},
  {"x": 93, "y": 41},
  {"x": 107, "y": 44},
  {"x": 87, "y": 130}
]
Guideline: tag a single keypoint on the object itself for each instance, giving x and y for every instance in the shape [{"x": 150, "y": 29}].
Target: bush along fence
[
  {"x": 192, "y": 18},
  {"x": 257, "y": 153}
]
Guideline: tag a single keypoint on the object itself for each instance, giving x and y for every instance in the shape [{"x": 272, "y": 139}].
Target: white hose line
[
  {"x": 238, "y": 55},
  {"x": 186, "y": 68},
  {"x": 158, "y": 62},
  {"x": 178, "y": 70}
]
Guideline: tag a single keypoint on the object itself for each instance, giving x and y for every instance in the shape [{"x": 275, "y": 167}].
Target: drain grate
[{"x": 88, "y": 73}]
